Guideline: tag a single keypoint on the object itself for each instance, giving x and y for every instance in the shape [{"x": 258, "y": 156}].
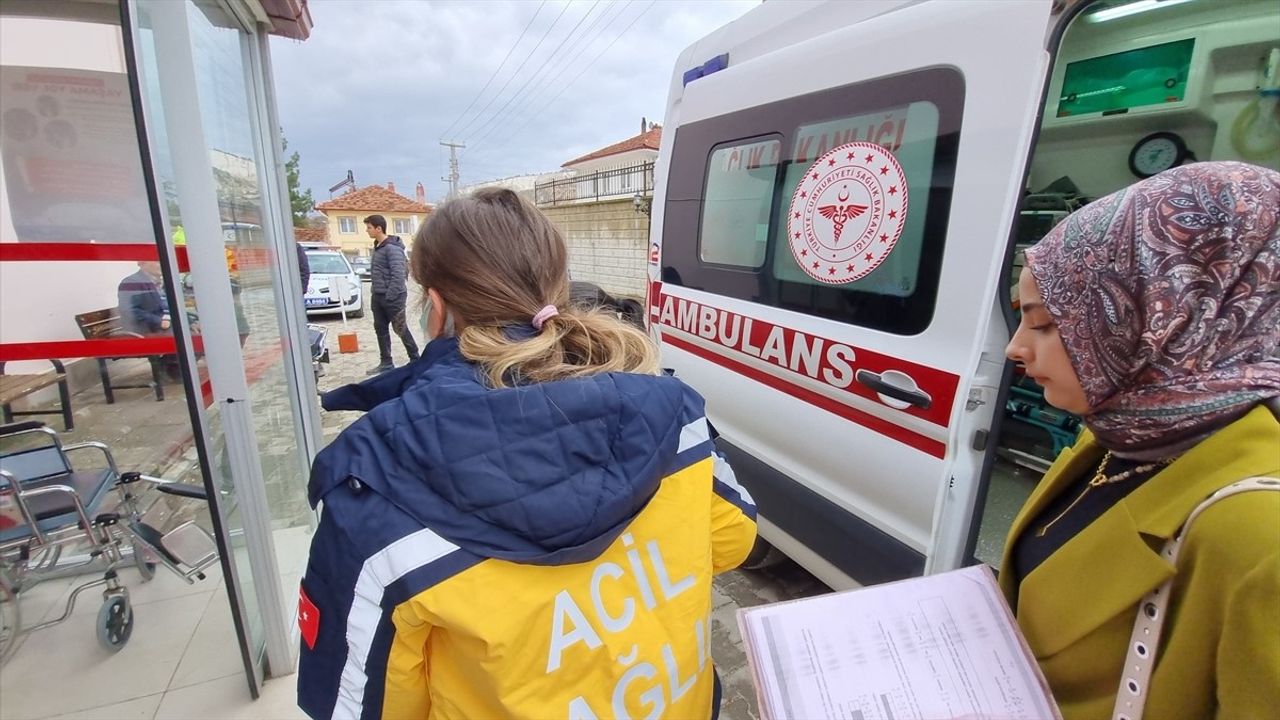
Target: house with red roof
[
  {"x": 636, "y": 150},
  {"x": 621, "y": 170},
  {"x": 346, "y": 214},
  {"x": 602, "y": 210}
]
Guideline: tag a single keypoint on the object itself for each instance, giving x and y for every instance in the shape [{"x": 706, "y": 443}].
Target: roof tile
[
  {"x": 311, "y": 234},
  {"x": 374, "y": 198},
  {"x": 644, "y": 141}
]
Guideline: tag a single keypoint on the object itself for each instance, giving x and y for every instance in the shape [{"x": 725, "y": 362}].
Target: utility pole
[{"x": 453, "y": 166}]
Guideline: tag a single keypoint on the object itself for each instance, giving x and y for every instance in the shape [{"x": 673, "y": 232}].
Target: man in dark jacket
[
  {"x": 304, "y": 266},
  {"x": 389, "y": 272},
  {"x": 143, "y": 308}
]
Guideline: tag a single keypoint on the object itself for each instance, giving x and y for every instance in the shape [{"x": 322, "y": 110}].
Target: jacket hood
[{"x": 545, "y": 473}]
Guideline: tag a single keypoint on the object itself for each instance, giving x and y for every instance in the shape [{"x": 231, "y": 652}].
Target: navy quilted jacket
[
  {"x": 389, "y": 269},
  {"x": 450, "y": 504}
]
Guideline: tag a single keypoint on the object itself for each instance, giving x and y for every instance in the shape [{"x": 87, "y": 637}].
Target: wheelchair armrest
[
  {"x": 20, "y": 427},
  {"x": 23, "y": 495},
  {"x": 183, "y": 490},
  {"x": 100, "y": 447}
]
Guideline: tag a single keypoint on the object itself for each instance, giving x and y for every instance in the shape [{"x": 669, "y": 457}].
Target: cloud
[{"x": 378, "y": 83}]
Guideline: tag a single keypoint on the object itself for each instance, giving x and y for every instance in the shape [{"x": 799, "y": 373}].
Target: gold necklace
[{"x": 1099, "y": 479}]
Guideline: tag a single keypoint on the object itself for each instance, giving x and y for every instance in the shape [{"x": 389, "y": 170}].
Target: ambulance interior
[{"x": 1136, "y": 88}]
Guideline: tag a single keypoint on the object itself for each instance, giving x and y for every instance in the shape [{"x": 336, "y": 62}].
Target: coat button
[{"x": 355, "y": 485}]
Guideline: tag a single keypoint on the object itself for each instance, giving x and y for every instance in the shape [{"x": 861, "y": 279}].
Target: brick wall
[{"x": 608, "y": 244}]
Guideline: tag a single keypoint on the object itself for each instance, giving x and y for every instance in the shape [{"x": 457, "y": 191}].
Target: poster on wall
[{"x": 69, "y": 150}]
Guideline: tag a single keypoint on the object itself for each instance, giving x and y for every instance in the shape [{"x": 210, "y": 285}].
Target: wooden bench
[
  {"x": 104, "y": 324},
  {"x": 13, "y": 387}
]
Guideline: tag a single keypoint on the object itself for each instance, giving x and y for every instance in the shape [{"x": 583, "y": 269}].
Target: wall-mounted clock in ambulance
[{"x": 1156, "y": 153}]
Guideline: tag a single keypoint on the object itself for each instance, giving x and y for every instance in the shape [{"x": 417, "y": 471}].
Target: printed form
[{"x": 941, "y": 647}]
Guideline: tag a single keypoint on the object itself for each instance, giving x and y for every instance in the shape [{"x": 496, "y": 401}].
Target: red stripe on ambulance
[
  {"x": 828, "y": 361},
  {"x": 924, "y": 444}
]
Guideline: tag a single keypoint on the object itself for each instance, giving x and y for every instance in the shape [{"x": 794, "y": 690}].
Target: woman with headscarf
[{"x": 1154, "y": 313}]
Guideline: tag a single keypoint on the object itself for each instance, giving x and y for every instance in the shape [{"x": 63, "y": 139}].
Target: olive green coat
[{"x": 1220, "y": 653}]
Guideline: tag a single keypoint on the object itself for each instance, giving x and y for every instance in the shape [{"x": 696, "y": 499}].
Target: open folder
[{"x": 941, "y": 647}]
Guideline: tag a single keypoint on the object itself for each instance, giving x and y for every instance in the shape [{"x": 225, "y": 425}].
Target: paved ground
[
  {"x": 732, "y": 591},
  {"x": 155, "y": 437}
]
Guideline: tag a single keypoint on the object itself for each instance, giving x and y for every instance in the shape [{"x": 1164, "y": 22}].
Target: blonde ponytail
[
  {"x": 575, "y": 343},
  {"x": 497, "y": 261}
]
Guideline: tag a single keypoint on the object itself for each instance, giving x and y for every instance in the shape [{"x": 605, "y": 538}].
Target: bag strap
[{"x": 1144, "y": 643}]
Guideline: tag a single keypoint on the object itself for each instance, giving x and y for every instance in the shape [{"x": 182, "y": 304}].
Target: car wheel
[{"x": 762, "y": 556}]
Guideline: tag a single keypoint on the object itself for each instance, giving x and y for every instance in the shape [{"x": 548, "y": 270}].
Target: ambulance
[{"x": 842, "y": 195}]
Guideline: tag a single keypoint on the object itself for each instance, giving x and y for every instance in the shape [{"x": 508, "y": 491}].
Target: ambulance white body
[{"x": 864, "y": 397}]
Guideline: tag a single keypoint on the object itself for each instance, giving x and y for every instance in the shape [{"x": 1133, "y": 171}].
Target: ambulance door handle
[{"x": 896, "y": 389}]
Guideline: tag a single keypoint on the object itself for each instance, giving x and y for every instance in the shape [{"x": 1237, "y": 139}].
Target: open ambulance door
[{"x": 834, "y": 197}]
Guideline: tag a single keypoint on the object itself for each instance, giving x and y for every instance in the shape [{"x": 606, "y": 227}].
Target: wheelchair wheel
[{"x": 115, "y": 623}]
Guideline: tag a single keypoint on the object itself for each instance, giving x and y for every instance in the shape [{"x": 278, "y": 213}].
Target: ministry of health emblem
[{"x": 847, "y": 213}]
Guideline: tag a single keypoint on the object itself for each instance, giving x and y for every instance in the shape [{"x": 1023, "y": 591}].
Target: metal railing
[{"x": 601, "y": 185}]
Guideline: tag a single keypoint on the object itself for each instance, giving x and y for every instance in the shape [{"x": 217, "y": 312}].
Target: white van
[{"x": 843, "y": 190}]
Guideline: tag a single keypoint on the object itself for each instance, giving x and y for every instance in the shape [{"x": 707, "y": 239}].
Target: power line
[
  {"x": 550, "y": 58},
  {"x": 548, "y": 81},
  {"x": 560, "y": 65},
  {"x": 524, "y": 91},
  {"x": 589, "y": 65},
  {"x": 541, "y": 40},
  {"x": 495, "y": 72},
  {"x": 572, "y": 60}
]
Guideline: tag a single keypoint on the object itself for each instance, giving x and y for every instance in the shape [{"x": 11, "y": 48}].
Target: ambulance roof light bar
[
  {"x": 1133, "y": 8},
  {"x": 715, "y": 64}
]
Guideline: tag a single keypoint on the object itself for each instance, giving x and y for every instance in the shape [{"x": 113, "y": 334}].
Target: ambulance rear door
[{"x": 834, "y": 194}]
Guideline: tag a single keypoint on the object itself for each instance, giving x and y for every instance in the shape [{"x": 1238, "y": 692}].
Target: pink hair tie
[{"x": 543, "y": 315}]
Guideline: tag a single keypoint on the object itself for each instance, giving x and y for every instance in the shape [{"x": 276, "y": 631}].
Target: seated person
[
  {"x": 145, "y": 310},
  {"x": 143, "y": 307}
]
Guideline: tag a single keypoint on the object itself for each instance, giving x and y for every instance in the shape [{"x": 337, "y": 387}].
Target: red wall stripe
[
  {"x": 884, "y": 427},
  {"x": 86, "y": 252},
  {"x": 107, "y": 348}
]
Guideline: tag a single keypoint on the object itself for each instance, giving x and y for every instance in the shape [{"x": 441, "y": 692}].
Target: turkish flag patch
[{"x": 308, "y": 618}]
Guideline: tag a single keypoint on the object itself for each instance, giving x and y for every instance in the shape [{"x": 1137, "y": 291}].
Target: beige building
[{"x": 346, "y": 214}]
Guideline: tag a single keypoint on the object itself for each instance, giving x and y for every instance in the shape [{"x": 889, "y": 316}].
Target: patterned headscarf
[{"x": 1167, "y": 298}]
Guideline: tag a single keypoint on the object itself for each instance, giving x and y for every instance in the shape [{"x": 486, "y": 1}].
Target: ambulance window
[
  {"x": 872, "y": 225},
  {"x": 741, "y": 177}
]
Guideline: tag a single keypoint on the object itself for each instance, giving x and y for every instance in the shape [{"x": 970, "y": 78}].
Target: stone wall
[{"x": 608, "y": 244}]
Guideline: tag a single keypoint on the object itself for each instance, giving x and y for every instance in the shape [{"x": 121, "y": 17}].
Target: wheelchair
[
  {"x": 48, "y": 505},
  {"x": 318, "y": 339}
]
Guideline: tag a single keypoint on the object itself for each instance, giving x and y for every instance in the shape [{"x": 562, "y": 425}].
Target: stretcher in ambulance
[{"x": 843, "y": 193}]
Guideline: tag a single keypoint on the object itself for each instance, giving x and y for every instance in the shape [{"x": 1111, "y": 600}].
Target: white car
[{"x": 325, "y": 266}]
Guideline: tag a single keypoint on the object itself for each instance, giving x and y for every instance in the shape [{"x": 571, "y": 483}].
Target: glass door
[{"x": 214, "y": 156}]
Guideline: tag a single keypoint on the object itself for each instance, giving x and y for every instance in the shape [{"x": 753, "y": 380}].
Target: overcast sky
[{"x": 379, "y": 83}]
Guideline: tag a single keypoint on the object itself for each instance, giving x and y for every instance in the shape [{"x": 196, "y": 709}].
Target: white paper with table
[{"x": 938, "y": 647}]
